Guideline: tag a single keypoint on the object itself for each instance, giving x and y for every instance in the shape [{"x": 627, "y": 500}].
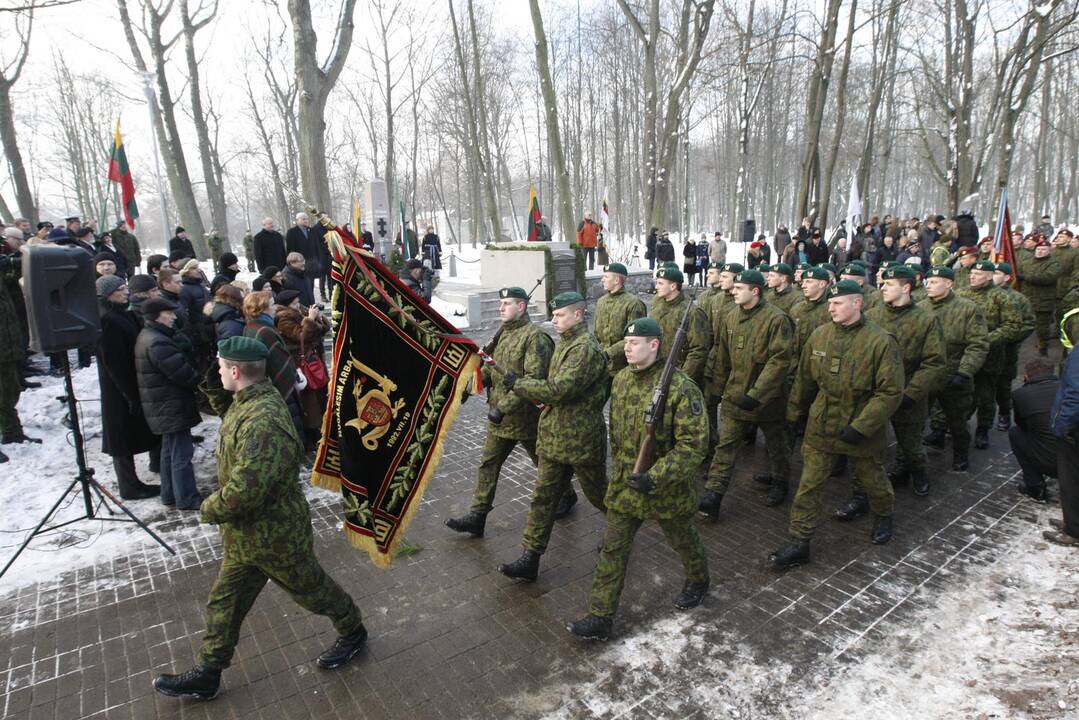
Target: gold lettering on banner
[
  {"x": 455, "y": 356},
  {"x": 382, "y": 529}
]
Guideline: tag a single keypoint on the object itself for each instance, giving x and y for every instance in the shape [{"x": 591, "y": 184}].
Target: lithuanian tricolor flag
[
  {"x": 534, "y": 215},
  {"x": 119, "y": 172}
]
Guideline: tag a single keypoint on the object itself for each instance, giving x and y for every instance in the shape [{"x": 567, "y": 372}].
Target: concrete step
[{"x": 482, "y": 303}]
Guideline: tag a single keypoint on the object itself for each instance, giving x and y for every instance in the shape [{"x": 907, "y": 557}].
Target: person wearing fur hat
[{"x": 228, "y": 267}]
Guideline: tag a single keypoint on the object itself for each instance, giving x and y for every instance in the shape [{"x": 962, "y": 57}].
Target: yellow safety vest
[{"x": 1064, "y": 339}]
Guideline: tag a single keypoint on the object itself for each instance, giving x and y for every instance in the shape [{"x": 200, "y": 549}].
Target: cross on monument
[{"x": 381, "y": 227}]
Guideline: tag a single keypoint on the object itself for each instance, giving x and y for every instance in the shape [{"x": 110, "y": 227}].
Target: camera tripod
[{"x": 94, "y": 496}]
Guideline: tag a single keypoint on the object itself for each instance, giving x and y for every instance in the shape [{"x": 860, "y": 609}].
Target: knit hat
[
  {"x": 844, "y": 287},
  {"x": 108, "y": 284},
  {"x": 155, "y": 306},
  {"x": 227, "y": 260},
  {"x": 617, "y": 268},
  {"x": 179, "y": 230},
  {"x": 643, "y": 327},
  {"x": 239, "y": 348},
  {"x": 103, "y": 257},
  {"x": 269, "y": 271},
  {"x": 561, "y": 300},
  {"x": 512, "y": 292},
  {"x": 750, "y": 277},
  {"x": 142, "y": 283},
  {"x": 941, "y": 271},
  {"x": 672, "y": 274},
  {"x": 285, "y": 297}
]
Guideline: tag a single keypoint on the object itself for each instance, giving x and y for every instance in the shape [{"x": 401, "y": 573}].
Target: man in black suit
[
  {"x": 269, "y": 247},
  {"x": 307, "y": 240},
  {"x": 1031, "y": 437}
]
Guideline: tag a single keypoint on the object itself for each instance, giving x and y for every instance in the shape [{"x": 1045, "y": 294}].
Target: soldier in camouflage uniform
[
  {"x": 918, "y": 293},
  {"x": 526, "y": 350},
  {"x": 718, "y": 307},
  {"x": 265, "y": 523},
  {"x": 752, "y": 360},
  {"x": 249, "y": 251},
  {"x": 613, "y": 312},
  {"x": 128, "y": 244},
  {"x": 921, "y": 344},
  {"x": 1068, "y": 259},
  {"x": 967, "y": 344},
  {"x": 1002, "y": 278},
  {"x": 1005, "y": 326},
  {"x": 856, "y": 272},
  {"x": 850, "y": 381},
  {"x": 964, "y": 262},
  {"x": 1038, "y": 278},
  {"x": 712, "y": 292},
  {"x": 11, "y": 344},
  {"x": 572, "y": 433},
  {"x": 780, "y": 293},
  {"x": 812, "y": 311},
  {"x": 667, "y": 309},
  {"x": 663, "y": 493}
]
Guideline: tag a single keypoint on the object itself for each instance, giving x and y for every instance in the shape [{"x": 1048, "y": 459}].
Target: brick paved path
[{"x": 450, "y": 637}]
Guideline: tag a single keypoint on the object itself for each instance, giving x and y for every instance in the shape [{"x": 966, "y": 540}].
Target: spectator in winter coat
[
  {"x": 782, "y": 239},
  {"x": 587, "y": 238},
  {"x": 180, "y": 243},
  {"x": 226, "y": 313},
  {"x": 271, "y": 279},
  {"x": 1045, "y": 228},
  {"x": 306, "y": 239},
  {"x": 417, "y": 278},
  {"x": 193, "y": 298},
  {"x": 717, "y": 248},
  {"x": 228, "y": 267},
  {"x": 295, "y": 278},
  {"x": 839, "y": 255},
  {"x": 303, "y": 329},
  {"x": 689, "y": 260},
  {"x": 126, "y": 242},
  {"x": 141, "y": 288},
  {"x": 886, "y": 253},
  {"x": 805, "y": 230},
  {"x": 816, "y": 250},
  {"x": 664, "y": 248},
  {"x": 123, "y": 265},
  {"x": 259, "y": 311},
  {"x": 167, "y": 385},
  {"x": 104, "y": 264},
  {"x": 967, "y": 230},
  {"x": 169, "y": 286},
  {"x": 431, "y": 247},
  {"x": 1064, "y": 416},
  {"x": 650, "y": 248},
  {"x": 755, "y": 255},
  {"x": 124, "y": 432},
  {"x": 269, "y": 247}
]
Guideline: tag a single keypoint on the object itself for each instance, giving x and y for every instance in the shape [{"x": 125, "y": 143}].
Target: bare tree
[{"x": 9, "y": 75}]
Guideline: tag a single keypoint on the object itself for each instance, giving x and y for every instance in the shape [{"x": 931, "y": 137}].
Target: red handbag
[{"x": 313, "y": 369}]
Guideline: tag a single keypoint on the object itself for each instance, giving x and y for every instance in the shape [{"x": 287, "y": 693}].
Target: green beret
[
  {"x": 764, "y": 267},
  {"x": 844, "y": 287},
  {"x": 671, "y": 273},
  {"x": 750, "y": 277},
  {"x": 1001, "y": 266},
  {"x": 643, "y": 327},
  {"x": 804, "y": 266},
  {"x": 670, "y": 264},
  {"x": 902, "y": 271},
  {"x": 715, "y": 265},
  {"x": 894, "y": 263},
  {"x": 829, "y": 267},
  {"x": 783, "y": 269},
  {"x": 815, "y": 273},
  {"x": 512, "y": 292},
  {"x": 984, "y": 265},
  {"x": 617, "y": 268},
  {"x": 561, "y": 300},
  {"x": 242, "y": 349},
  {"x": 733, "y": 268},
  {"x": 855, "y": 269},
  {"x": 941, "y": 271}
]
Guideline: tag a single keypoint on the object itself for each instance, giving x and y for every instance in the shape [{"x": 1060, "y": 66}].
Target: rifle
[{"x": 653, "y": 416}]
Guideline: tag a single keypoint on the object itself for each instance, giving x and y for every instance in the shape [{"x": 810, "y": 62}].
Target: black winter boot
[
  {"x": 1004, "y": 422},
  {"x": 565, "y": 504},
  {"x": 856, "y": 507},
  {"x": 472, "y": 523},
  {"x": 935, "y": 438},
  {"x": 692, "y": 595},
  {"x": 591, "y": 627},
  {"x": 882, "y": 529},
  {"x": 344, "y": 648},
  {"x": 981, "y": 438},
  {"x": 960, "y": 460},
  {"x": 762, "y": 478},
  {"x": 525, "y": 567},
  {"x": 777, "y": 493},
  {"x": 200, "y": 682},
  {"x": 794, "y": 553},
  {"x": 919, "y": 482},
  {"x": 899, "y": 476},
  {"x": 709, "y": 505},
  {"x": 840, "y": 466}
]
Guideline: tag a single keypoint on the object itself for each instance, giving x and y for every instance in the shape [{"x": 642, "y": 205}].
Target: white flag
[{"x": 854, "y": 206}]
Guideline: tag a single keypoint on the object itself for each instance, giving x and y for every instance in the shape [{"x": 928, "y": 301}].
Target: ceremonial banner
[
  {"x": 120, "y": 173},
  {"x": 1003, "y": 248},
  {"x": 398, "y": 375},
  {"x": 534, "y": 215}
]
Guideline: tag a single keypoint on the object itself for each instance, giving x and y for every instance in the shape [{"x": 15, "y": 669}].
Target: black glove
[
  {"x": 212, "y": 377},
  {"x": 509, "y": 380},
  {"x": 747, "y": 403},
  {"x": 641, "y": 482},
  {"x": 959, "y": 380},
  {"x": 850, "y": 435},
  {"x": 495, "y": 415},
  {"x": 906, "y": 403}
]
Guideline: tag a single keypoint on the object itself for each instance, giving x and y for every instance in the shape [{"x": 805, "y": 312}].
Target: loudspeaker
[
  {"x": 61, "y": 298},
  {"x": 749, "y": 230}
]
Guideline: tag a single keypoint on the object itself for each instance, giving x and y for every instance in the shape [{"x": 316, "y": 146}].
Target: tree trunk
[
  {"x": 488, "y": 167},
  {"x": 841, "y": 117},
  {"x": 809, "y": 184},
  {"x": 24, "y": 196}
]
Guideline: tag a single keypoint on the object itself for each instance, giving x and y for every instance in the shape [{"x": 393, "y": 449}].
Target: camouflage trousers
[
  {"x": 951, "y": 412},
  {"x": 554, "y": 479},
  {"x": 610, "y": 577},
  {"x": 909, "y": 451},
  {"x": 239, "y": 583},
  {"x": 732, "y": 433},
  {"x": 711, "y": 406},
  {"x": 1008, "y": 373},
  {"x": 1044, "y": 327},
  {"x": 985, "y": 398},
  {"x": 495, "y": 451},
  {"x": 816, "y": 469},
  {"x": 10, "y": 389}
]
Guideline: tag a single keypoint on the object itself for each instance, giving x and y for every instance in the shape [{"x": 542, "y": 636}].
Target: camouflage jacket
[
  {"x": 613, "y": 312},
  {"x": 962, "y": 277},
  {"x": 753, "y": 357},
  {"x": 807, "y": 316},
  {"x": 847, "y": 376},
  {"x": 571, "y": 426},
  {"x": 870, "y": 297},
  {"x": 681, "y": 444},
  {"x": 721, "y": 304},
  {"x": 1039, "y": 279},
  {"x": 259, "y": 504},
  {"x": 128, "y": 244},
  {"x": 965, "y": 335},
  {"x": 1024, "y": 310},
  {"x": 783, "y": 300},
  {"x": 526, "y": 350},
  {"x": 1023, "y": 258},
  {"x": 1002, "y": 320},
  {"x": 698, "y": 334},
  {"x": 921, "y": 344},
  {"x": 1068, "y": 259},
  {"x": 918, "y": 294},
  {"x": 707, "y": 300}
]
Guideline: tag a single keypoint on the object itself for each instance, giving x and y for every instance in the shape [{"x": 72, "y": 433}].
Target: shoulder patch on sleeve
[{"x": 695, "y": 407}]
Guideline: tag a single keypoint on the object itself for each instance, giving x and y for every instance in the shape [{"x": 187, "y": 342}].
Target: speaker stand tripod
[{"x": 85, "y": 483}]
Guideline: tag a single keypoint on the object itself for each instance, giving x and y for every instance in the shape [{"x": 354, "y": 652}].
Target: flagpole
[{"x": 151, "y": 105}]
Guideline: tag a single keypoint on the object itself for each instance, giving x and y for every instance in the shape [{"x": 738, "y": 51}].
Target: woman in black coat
[{"x": 124, "y": 432}]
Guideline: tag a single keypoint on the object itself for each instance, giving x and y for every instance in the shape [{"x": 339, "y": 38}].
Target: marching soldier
[
  {"x": 918, "y": 293},
  {"x": 1004, "y": 326},
  {"x": 717, "y": 309},
  {"x": 572, "y": 434},
  {"x": 812, "y": 311},
  {"x": 856, "y": 272},
  {"x": 850, "y": 381},
  {"x": 613, "y": 312},
  {"x": 665, "y": 493},
  {"x": 1002, "y": 278},
  {"x": 1039, "y": 277},
  {"x": 1067, "y": 257},
  {"x": 712, "y": 291},
  {"x": 921, "y": 345},
  {"x": 967, "y": 344},
  {"x": 780, "y": 291},
  {"x": 526, "y": 350},
  {"x": 265, "y": 524},
  {"x": 667, "y": 309},
  {"x": 752, "y": 359},
  {"x": 964, "y": 261}
]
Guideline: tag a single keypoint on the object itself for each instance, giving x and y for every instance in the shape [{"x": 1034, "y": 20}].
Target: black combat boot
[
  {"x": 882, "y": 529},
  {"x": 692, "y": 595},
  {"x": 1038, "y": 493},
  {"x": 935, "y": 438},
  {"x": 919, "y": 482},
  {"x": 960, "y": 460},
  {"x": 840, "y": 466},
  {"x": 565, "y": 504},
  {"x": 857, "y": 506},
  {"x": 777, "y": 493},
  {"x": 472, "y": 523},
  {"x": 3, "y": 458},
  {"x": 344, "y": 648},
  {"x": 709, "y": 505},
  {"x": 591, "y": 627},
  {"x": 899, "y": 476},
  {"x": 1004, "y": 422},
  {"x": 981, "y": 438},
  {"x": 762, "y": 478},
  {"x": 200, "y": 682},
  {"x": 525, "y": 567},
  {"x": 794, "y": 553}
]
